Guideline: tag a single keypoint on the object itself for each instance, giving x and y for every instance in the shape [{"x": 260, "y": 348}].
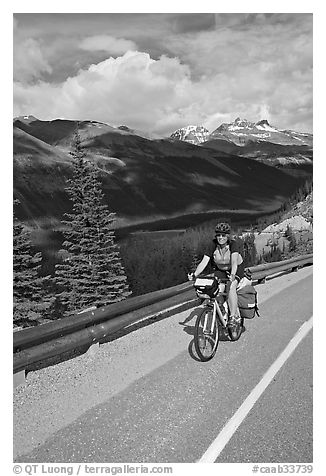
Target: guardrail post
[
  {"x": 295, "y": 268},
  {"x": 19, "y": 379}
]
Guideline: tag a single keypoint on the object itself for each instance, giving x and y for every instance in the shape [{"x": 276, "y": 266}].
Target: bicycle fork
[{"x": 209, "y": 320}]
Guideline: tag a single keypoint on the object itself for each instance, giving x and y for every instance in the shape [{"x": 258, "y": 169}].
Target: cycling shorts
[{"x": 224, "y": 274}]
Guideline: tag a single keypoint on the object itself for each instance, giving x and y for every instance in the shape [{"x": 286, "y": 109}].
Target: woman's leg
[
  {"x": 223, "y": 276},
  {"x": 233, "y": 298}
]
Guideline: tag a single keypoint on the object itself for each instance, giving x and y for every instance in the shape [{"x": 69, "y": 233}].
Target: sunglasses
[{"x": 218, "y": 235}]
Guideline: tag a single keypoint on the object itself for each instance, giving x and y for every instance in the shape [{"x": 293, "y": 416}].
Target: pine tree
[
  {"x": 291, "y": 238},
  {"x": 91, "y": 272},
  {"x": 30, "y": 297},
  {"x": 250, "y": 251}
]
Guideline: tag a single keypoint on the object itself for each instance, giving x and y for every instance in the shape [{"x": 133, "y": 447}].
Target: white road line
[{"x": 230, "y": 428}]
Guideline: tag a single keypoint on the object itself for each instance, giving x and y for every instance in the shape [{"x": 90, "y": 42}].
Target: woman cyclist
[{"x": 226, "y": 256}]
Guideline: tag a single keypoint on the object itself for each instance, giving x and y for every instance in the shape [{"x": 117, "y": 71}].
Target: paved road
[{"x": 145, "y": 397}]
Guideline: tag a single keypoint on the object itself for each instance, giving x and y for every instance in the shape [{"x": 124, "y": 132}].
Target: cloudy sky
[{"x": 160, "y": 71}]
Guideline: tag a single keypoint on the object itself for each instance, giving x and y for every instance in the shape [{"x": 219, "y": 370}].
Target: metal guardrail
[
  {"x": 262, "y": 271},
  {"x": 37, "y": 335},
  {"x": 37, "y": 344}
]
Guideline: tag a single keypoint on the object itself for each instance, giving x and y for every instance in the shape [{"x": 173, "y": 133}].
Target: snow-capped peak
[
  {"x": 264, "y": 126},
  {"x": 192, "y": 134},
  {"x": 241, "y": 122},
  {"x": 241, "y": 131},
  {"x": 192, "y": 128},
  {"x": 237, "y": 125}
]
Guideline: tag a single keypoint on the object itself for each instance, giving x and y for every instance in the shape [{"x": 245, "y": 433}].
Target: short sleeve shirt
[{"x": 221, "y": 258}]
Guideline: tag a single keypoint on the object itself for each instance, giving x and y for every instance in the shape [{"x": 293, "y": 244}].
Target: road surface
[{"x": 145, "y": 397}]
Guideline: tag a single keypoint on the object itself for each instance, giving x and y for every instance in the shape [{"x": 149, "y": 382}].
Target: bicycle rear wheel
[{"x": 206, "y": 334}]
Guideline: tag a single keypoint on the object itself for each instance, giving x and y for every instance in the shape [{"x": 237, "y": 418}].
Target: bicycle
[{"x": 215, "y": 312}]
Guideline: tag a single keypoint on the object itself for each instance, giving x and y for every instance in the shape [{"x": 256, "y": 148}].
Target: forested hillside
[{"x": 143, "y": 180}]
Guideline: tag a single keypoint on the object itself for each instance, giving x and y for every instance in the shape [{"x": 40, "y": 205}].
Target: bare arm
[
  {"x": 202, "y": 265},
  {"x": 234, "y": 263}
]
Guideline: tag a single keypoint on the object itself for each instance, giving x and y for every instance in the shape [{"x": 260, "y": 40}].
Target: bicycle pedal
[{"x": 234, "y": 322}]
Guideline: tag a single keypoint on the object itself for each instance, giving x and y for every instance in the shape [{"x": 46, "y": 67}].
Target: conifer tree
[
  {"x": 30, "y": 297},
  {"x": 291, "y": 238},
  {"x": 91, "y": 272},
  {"x": 250, "y": 251}
]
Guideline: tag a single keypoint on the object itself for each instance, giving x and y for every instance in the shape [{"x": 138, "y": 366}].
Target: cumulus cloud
[
  {"x": 240, "y": 68},
  {"x": 114, "y": 46},
  {"x": 132, "y": 89},
  {"x": 29, "y": 61}
]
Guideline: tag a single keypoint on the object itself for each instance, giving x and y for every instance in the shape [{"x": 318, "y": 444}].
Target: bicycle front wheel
[{"x": 206, "y": 334}]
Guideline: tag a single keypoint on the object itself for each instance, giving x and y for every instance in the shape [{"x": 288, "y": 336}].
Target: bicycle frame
[{"x": 212, "y": 302}]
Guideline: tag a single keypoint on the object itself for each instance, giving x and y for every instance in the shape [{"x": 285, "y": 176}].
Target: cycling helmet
[{"x": 223, "y": 227}]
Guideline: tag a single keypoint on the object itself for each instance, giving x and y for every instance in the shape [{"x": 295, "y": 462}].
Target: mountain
[
  {"x": 241, "y": 131},
  {"x": 192, "y": 134},
  {"x": 40, "y": 173},
  {"x": 143, "y": 180},
  {"x": 25, "y": 119},
  {"x": 296, "y": 159},
  {"x": 139, "y": 133},
  {"x": 286, "y": 149}
]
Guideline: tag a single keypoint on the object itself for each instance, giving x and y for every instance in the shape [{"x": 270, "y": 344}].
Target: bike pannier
[
  {"x": 206, "y": 287},
  {"x": 247, "y": 302}
]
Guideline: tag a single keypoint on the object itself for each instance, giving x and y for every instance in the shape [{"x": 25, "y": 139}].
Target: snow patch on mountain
[
  {"x": 235, "y": 128},
  {"x": 237, "y": 125},
  {"x": 192, "y": 134},
  {"x": 266, "y": 127},
  {"x": 261, "y": 136}
]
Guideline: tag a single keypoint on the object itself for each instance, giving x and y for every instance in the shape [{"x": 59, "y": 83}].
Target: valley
[
  {"x": 166, "y": 193},
  {"x": 151, "y": 183}
]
